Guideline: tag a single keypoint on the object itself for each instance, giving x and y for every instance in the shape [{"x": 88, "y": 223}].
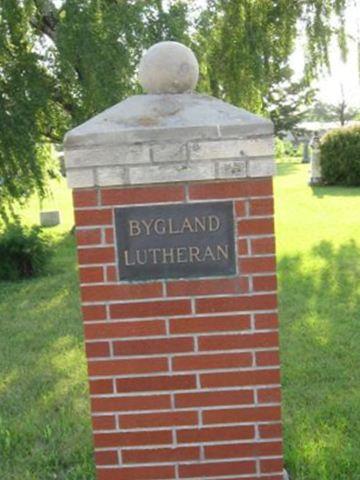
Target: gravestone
[
  {"x": 174, "y": 219},
  {"x": 50, "y": 219}
]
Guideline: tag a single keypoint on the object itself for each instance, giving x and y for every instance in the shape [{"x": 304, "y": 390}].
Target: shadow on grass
[
  {"x": 286, "y": 168},
  {"x": 320, "y": 347},
  {"x": 44, "y": 413},
  {"x": 335, "y": 191}
]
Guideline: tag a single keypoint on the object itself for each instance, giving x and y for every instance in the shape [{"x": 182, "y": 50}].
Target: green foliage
[
  {"x": 331, "y": 113},
  {"x": 285, "y": 149},
  {"x": 287, "y": 103},
  {"x": 340, "y": 156},
  {"x": 244, "y": 45},
  {"x": 63, "y": 62},
  {"x": 24, "y": 252}
]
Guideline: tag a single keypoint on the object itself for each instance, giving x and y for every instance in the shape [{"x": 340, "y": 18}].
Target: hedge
[{"x": 340, "y": 156}]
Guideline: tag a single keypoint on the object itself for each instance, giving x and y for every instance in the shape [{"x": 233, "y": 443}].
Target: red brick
[
  {"x": 206, "y": 287},
  {"x": 237, "y": 341},
  {"x": 226, "y": 189},
  {"x": 122, "y": 404},
  {"x": 250, "y": 414},
  {"x": 206, "y": 399},
  {"x": 273, "y": 430},
  {"x": 266, "y": 320},
  {"x": 126, "y": 196},
  {"x": 265, "y": 283},
  {"x": 96, "y": 255},
  {"x": 93, "y": 312},
  {"x": 100, "y": 293},
  {"x": 138, "y": 473},
  {"x": 130, "y": 439},
  {"x": 269, "y": 395},
  {"x": 243, "y": 246},
  {"x": 240, "y": 379},
  {"x": 257, "y": 264},
  {"x": 267, "y": 358},
  {"x": 258, "y": 226},
  {"x": 198, "y": 470},
  {"x": 125, "y": 329},
  {"x": 262, "y": 206},
  {"x": 126, "y": 367},
  {"x": 164, "y": 419},
  {"x": 143, "y": 384},
  {"x": 215, "y": 434},
  {"x": 150, "y": 309},
  {"x": 210, "y": 324},
  {"x": 104, "y": 422},
  {"x": 151, "y": 347},
  {"x": 93, "y": 217},
  {"x": 109, "y": 235},
  {"x": 218, "y": 361},
  {"x": 161, "y": 455},
  {"x": 85, "y": 198},
  {"x": 88, "y": 237},
  {"x": 271, "y": 465},
  {"x": 240, "y": 208},
  {"x": 101, "y": 386},
  {"x": 261, "y": 246},
  {"x": 233, "y": 304},
  {"x": 91, "y": 274},
  {"x": 253, "y": 449},
  {"x": 109, "y": 457},
  {"x": 97, "y": 349},
  {"x": 111, "y": 274}
]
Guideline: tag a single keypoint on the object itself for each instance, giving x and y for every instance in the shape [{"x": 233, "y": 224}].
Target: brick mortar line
[
  {"x": 184, "y": 444},
  {"x": 195, "y": 391},
  {"x": 185, "y": 354},
  {"x": 197, "y": 461},
  {"x": 202, "y": 279},
  {"x": 190, "y": 353},
  {"x": 186, "y": 199},
  {"x": 235, "y": 406},
  {"x": 167, "y": 373},
  {"x": 159, "y": 393},
  {"x": 179, "y": 336},
  {"x": 205, "y": 462},
  {"x": 185, "y": 316},
  {"x": 176, "y": 281},
  {"x": 189, "y": 298}
]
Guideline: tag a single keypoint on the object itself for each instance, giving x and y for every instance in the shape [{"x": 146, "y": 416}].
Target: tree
[
  {"x": 63, "y": 62},
  {"x": 326, "y": 112},
  {"x": 288, "y": 102},
  {"x": 60, "y": 65},
  {"x": 244, "y": 44}
]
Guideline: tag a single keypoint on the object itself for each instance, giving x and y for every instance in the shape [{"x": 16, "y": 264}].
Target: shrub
[
  {"x": 340, "y": 156},
  {"x": 24, "y": 252},
  {"x": 285, "y": 149}
]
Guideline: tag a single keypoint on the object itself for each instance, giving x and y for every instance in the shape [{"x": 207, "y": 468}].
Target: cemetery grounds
[{"x": 45, "y": 431}]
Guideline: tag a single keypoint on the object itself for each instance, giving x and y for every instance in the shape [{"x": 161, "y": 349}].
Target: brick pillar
[{"x": 183, "y": 372}]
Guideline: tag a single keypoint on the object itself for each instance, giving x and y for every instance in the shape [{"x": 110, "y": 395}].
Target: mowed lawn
[{"x": 45, "y": 431}]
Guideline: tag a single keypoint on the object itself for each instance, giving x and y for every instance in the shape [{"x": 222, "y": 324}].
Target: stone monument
[
  {"x": 315, "y": 165},
  {"x": 174, "y": 219}
]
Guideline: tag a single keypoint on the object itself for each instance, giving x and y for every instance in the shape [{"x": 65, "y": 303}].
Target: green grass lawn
[{"x": 45, "y": 429}]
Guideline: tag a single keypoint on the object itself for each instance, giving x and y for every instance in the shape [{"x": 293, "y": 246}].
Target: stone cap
[{"x": 169, "y": 137}]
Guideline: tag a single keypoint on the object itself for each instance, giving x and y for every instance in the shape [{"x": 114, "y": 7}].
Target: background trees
[{"x": 63, "y": 62}]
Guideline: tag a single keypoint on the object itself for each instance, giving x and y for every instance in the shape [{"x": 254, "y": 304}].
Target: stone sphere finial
[{"x": 168, "y": 67}]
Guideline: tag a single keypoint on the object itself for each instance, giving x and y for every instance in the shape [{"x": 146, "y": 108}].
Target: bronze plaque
[{"x": 175, "y": 241}]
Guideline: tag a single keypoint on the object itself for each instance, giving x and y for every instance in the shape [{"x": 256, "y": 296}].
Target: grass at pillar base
[{"x": 45, "y": 431}]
